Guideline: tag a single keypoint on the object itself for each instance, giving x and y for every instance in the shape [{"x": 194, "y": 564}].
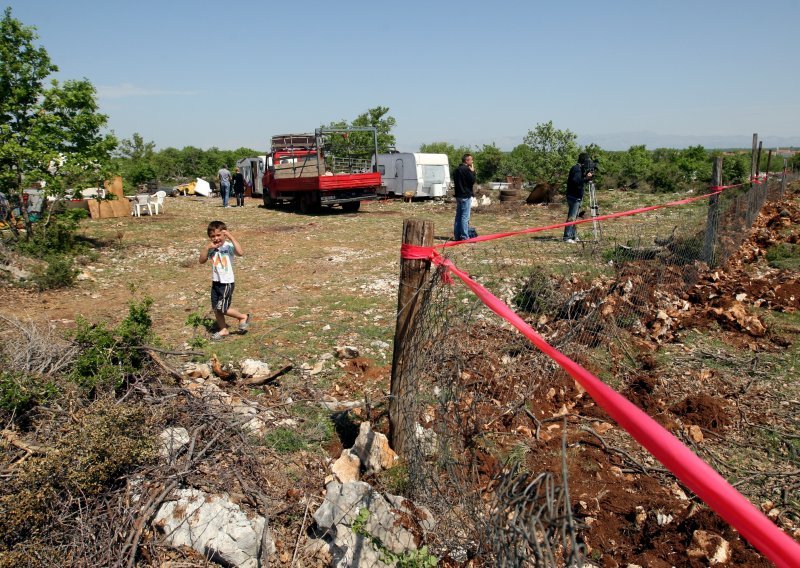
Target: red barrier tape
[
  {"x": 696, "y": 474},
  {"x": 715, "y": 190}
]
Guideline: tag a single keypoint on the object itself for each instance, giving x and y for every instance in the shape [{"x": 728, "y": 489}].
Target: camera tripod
[{"x": 595, "y": 209}]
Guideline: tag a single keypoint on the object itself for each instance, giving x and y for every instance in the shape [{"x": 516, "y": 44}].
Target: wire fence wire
[{"x": 482, "y": 398}]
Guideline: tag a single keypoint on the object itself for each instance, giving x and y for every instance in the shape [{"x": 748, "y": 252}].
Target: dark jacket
[
  {"x": 575, "y": 182},
  {"x": 463, "y": 180},
  {"x": 238, "y": 183}
]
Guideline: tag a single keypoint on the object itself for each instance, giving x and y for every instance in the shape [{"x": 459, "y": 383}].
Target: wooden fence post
[
  {"x": 783, "y": 178},
  {"x": 413, "y": 274},
  {"x": 712, "y": 220}
]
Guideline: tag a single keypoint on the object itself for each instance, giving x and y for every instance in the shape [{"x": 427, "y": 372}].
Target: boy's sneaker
[
  {"x": 245, "y": 325},
  {"x": 570, "y": 241}
]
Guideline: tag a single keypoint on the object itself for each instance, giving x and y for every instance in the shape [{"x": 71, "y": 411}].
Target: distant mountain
[{"x": 624, "y": 140}]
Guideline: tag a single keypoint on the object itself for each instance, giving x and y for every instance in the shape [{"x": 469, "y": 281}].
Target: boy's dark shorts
[{"x": 221, "y": 296}]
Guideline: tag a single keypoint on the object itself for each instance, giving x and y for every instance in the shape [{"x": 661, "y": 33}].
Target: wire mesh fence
[{"x": 483, "y": 442}]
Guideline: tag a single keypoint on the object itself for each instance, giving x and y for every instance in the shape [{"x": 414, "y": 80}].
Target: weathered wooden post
[
  {"x": 783, "y": 177},
  {"x": 712, "y": 220},
  {"x": 766, "y": 180},
  {"x": 413, "y": 275}
]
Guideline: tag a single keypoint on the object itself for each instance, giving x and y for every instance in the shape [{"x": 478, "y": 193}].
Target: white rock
[
  {"x": 372, "y": 448},
  {"x": 171, "y": 441},
  {"x": 213, "y": 526},
  {"x": 710, "y": 546},
  {"x": 254, "y": 368}
]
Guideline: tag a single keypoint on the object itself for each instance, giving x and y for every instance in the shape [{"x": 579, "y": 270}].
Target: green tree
[
  {"x": 46, "y": 133},
  {"x": 694, "y": 164},
  {"x": 553, "y": 152},
  {"x": 519, "y": 162},
  {"x": 488, "y": 163},
  {"x": 361, "y": 144},
  {"x": 635, "y": 165},
  {"x": 137, "y": 160}
]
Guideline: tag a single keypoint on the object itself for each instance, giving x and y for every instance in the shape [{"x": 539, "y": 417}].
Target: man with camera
[{"x": 579, "y": 174}]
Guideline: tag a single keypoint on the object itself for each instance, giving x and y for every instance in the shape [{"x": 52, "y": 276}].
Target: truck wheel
[
  {"x": 308, "y": 203},
  {"x": 351, "y": 206},
  {"x": 269, "y": 203}
]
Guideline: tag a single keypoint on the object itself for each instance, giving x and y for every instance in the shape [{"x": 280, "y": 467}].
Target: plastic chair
[
  {"x": 157, "y": 200},
  {"x": 140, "y": 202}
]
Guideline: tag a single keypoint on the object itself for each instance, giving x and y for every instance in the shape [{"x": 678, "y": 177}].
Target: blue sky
[{"x": 231, "y": 74}]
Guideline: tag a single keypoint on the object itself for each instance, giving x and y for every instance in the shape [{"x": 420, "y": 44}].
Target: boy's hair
[{"x": 216, "y": 226}]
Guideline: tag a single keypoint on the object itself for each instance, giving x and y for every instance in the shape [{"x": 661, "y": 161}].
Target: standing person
[
  {"x": 224, "y": 184},
  {"x": 238, "y": 187},
  {"x": 579, "y": 174},
  {"x": 220, "y": 250},
  {"x": 464, "y": 180}
]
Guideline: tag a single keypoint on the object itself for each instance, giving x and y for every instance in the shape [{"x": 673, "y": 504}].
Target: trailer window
[
  {"x": 433, "y": 174},
  {"x": 382, "y": 169}
]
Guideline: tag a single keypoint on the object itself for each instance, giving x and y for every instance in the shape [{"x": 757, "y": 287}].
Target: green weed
[
  {"x": 285, "y": 441},
  {"x": 785, "y": 256}
]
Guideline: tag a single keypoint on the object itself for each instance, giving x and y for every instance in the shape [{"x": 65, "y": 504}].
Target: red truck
[{"x": 298, "y": 171}]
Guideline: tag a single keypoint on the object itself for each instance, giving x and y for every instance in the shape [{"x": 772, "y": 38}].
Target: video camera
[{"x": 588, "y": 165}]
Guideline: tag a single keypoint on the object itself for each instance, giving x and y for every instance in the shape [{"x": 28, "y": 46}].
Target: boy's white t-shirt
[{"x": 222, "y": 263}]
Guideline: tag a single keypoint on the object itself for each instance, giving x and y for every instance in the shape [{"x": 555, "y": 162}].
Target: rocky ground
[{"x": 275, "y": 441}]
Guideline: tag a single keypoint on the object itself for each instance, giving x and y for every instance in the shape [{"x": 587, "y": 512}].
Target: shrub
[
  {"x": 60, "y": 273},
  {"x": 108, "y": 357},
  {"x": 19, "y": 392},
  {"x": 104, "y": 442}
]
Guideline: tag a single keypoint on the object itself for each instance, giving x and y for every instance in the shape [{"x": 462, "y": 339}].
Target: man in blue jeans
[
  {"x": 579, "y": 174},
  {"x": 463, "y": 180},
  {"x": 224, "y": 184}
]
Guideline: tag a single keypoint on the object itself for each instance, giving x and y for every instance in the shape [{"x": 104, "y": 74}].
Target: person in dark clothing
[
  {"x": 463, "y": 180},
  {"x": 238, "y": 188},
  {"x": 576, "y": 179}
]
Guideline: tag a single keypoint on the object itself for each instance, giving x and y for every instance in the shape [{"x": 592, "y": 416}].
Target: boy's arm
[
  {"x": 237, "y": 248},
  {"x": 204, "y": 253}
]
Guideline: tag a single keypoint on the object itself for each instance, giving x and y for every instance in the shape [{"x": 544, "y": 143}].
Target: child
[{"x": 220, "y": 251}]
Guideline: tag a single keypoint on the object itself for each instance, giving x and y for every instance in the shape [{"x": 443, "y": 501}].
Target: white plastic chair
[
  {"x": 157, "y": 200},
  {"x": 140, "y": 202}
]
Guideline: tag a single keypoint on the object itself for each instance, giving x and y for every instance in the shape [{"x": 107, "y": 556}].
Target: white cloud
[{"x": 125, "y": 90}]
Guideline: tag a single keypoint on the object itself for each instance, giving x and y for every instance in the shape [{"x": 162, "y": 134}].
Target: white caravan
[
  {"x": 427, "y": 175},
  {"x": 253, "y": 171}
]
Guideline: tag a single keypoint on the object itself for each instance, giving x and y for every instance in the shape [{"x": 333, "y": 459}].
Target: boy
[{"x": 220, "y": 251}]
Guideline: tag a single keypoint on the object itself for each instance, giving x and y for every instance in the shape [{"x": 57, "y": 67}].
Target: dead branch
[
  {"x": 257, "y": 381},
  {"x": 15, "y": 440},
  {"x": 158, "y": 361}
]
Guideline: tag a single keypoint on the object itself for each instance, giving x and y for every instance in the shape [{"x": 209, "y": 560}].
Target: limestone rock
[
  {"x": 171, "y": 441},
  {"x": 710, "y": 546},
  {"x": 347, "y": 468},
  {"x": 377, "y": 517},
  {"x": 197, "y": 371},
  {"x": 254, "y": 368},
  {"x": 213, "y": 526},
  {"x": 372, "y": 448}
]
